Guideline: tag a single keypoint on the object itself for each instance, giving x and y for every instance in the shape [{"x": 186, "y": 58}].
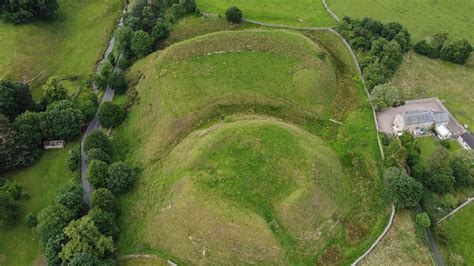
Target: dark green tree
[
  {"x": 105, "y": 222},
  {"x": 103, "y": 198},
  {"x": 97, "y": 140},
  {"x": 64, "y": 119},
  {"x": 117, "y": 82},
  {"x": 15, "y": 11},
  {"x": 74, "y": 159},
  {"x": 15, "y": 98},
  {"x": 119, "y": 178},
  {"x": 461, "y": 172},
  {"x": 111, "y": 115},
  {"x": 457, "y": 52},
  {"x": 233, "y": 15},
  {"x": 97, "y": 174},
  {"x": 54, "y": 91},
  {"x": 161, "y": 30},
  {"x": 405, "y": 191},
  {"x": 84, "y": 259},
  {"x": 9, "y": 209},
  {"x": 141, "y": 43},
  {"x": 98, "y": 154}
]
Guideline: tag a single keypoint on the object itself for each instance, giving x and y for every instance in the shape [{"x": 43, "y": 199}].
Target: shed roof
[{"x": 469, "y": 139}]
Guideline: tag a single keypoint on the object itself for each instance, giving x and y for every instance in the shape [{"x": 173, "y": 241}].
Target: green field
[
  {"x": 240, "y": 162},
  {"x": 20, "y": 245},
  {"x": 302, "y": 13},
  {"x": 460, "y": 226},
  {"x": 70, "y": 45},
  {"x": 420, "y": 77},
  {"x": 421, "y": 17}
]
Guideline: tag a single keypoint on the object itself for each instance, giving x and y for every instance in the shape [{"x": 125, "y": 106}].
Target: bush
[
  {"x": 111, "y": 115},
  {"x": 445, "y": 144},
  {"x": 449, "y": 201},
  {"x": 74, "y": 159},
  {"x": 103, "y": 198},
  {"x": 423, "y": 220},
  {"x": 233, "y": 15},
  {"x": 457, "y": 52},
  {"x": 53, "y": 91},
  {"x": 120, "y": 178},
  {"x": 97, "y": 174},
  {"x": 9, "y": 209},
  {"x": 97, "y": 140},
  {"x": 99, "y": 155},
  {"x": 31, "y": 220},
  {"x": 426, "y": 49},
  {"x": 141, "y": 43}
]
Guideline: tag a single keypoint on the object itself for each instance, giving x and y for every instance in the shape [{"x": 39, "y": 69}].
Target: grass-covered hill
[
  {"x": 240, "y": 161},
  {"x": 302, "y": 13}
]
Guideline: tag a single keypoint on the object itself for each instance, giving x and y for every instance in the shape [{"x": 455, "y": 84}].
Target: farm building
[
  {"x": 467, "y": 141},
  {"x": 443, "y": 132},
  {"x": 415, "y": 120}
]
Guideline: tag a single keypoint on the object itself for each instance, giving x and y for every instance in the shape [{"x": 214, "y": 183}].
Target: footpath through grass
[
  {"x": 421, "y": 17},
  {"x": 302, "y": 13},
  {"x": 70, "y": 45},
  {"x": 20, "y": 245}
]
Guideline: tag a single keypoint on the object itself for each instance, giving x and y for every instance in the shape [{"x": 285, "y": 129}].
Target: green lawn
[
  {"x": 232, "y": 132},
  {"x": 20, "y": 245},
  {"x": 421, "y": 17},
  {"x": 302, "y": 13},
  {"x": 70, "y": 45},
  {"x": 460, "y": 225}
]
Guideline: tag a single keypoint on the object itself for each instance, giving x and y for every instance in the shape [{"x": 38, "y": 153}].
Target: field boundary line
[
  {"x": 330, "y": 11},
  {"x": 469, "y": 200}
]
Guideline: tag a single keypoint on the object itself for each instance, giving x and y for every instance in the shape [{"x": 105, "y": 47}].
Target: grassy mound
[
  {"x": 302, "y": 13},
  {"x": 240, "y": 162}
]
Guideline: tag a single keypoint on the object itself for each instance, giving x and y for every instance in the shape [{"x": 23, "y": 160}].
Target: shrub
[
  {"x": 119, "y": 178},
  {"x": 117, "y": 82},
  {"x": 97, "y": 140},
  {"x": 395, "y": 155},
  {"x": 74, "y": 159},
  {"x": 233, "y": 15},
  {"x": 423, "y": 219},
  {"x": 177, "y": 11},
  {"x": 31, "y": 220},
  {"x": 99, "y": 155},
  {"x": 426, "y": 49},
  {"x": 449, "y": 201},
  {"x": 457, "y": 52},
  {"x": 111, "y": 115},
  {"x": 141, "y": 43},
  {"x": 103, "y": 198},
  {"x": 97, "y": 173},
  {"x": 444, "y": 235}
]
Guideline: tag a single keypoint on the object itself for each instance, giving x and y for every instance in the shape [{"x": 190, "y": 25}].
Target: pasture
[
  {"x": 67, "y": 47},
  {"x": 301, "y": 13},
  {"x": 421, "y": 17},
  {"x": 20, "y": 245},
  {"x": 233, "y": 135},
  {"x": 459, "y": 226}
]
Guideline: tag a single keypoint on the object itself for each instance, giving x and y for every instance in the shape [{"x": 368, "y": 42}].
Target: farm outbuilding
[
  {"x": 54, "y": 144},
  {"x": 443, "y": 132},
  {"x": 467, "y": 141}
]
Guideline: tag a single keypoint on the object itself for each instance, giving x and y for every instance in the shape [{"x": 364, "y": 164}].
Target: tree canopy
[{"x": 21, "y": 11}]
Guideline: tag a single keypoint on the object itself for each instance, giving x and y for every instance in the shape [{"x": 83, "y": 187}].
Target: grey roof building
[
  {"x": 411, "y": 120},
  {"x": 467, "y": 140}
]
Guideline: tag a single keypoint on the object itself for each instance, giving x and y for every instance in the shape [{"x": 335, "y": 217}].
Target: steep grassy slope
[
  {"x": 70, "y": 45},
  {"x": 303, "y": 13},
  {"x": 240, "y": 161}
]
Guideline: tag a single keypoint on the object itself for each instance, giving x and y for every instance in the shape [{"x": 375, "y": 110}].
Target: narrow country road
[
  {"x": 432, "y": 243},
  {"x": 95, "y": 123}
]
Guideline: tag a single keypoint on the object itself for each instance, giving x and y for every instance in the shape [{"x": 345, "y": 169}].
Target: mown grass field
[
  {"x": 302, "y": 13},
  {"x": 401, "y": 246},
  {"x": 20, "y": 245},
  {"x": 460, "y": 226},
  {"x": 421, "y": 17},
  {"x": 70, "y": 45},
  {"x": 239, "y": 158}
]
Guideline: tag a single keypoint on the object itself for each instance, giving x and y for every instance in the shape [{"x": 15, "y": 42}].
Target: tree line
[
  {"x": 22, "y": 11},
  {"x": 382, "y": 45},
  {"x": 438, "y": 46}
]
